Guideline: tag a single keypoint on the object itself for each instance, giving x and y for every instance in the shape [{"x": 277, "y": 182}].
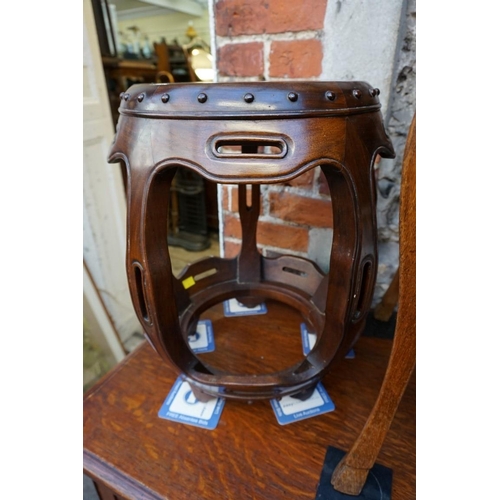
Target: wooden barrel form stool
[{"x": 252, "y": 134}]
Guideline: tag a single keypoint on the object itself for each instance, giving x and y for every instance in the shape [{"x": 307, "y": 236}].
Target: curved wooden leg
[
  {"x": 385, "y": 307},
  {"x": 350, "y": 474}
]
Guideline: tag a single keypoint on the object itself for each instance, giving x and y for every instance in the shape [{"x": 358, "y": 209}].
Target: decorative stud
[
  {"x": 202, "y": 98},
  {"x": 375, "y": 92},
  {"x": 293, "y": 96},
  {"x": 356, "y": 93},
  {"x": 165, "y": 98},
  {"x": 249, "y": 98},
  {"x": 330, "y": 95},
  {"x": 121, "y": 95},
  {"x": 140, "y": 97},
  {"x": 126, "y": 96}
]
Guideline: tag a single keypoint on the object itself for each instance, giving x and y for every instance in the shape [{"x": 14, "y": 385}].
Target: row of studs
[{"x": 292, "y": 96}]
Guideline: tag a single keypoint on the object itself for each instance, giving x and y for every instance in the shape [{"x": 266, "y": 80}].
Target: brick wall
[
  {"x": 295, "y": 39},
  {"x": 288, "y": 214},
  {"x": 269, "y": 39},
  {"x": 274, "y": 40}
]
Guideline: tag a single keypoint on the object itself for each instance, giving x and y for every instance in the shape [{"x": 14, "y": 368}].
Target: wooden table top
[{"x": 249, "y": 455}]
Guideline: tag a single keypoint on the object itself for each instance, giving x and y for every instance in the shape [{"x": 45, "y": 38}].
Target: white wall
[{"x": 104, "y": 210}]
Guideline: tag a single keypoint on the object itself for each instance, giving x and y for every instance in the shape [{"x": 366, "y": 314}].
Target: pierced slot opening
[
  {"x": 139, "y": 285},
  {"x": 272, "y": 148},
  {"x": 297, "y": 272},
  {"x": 249, "y": 148},
  {"x": 205, "y": 274},
  {"x": 246, "y": 192},
  {"x": 363, "y": 291}
]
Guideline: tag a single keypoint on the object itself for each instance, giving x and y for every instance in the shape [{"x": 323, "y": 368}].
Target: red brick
[
  {"x": 233, "y": 205},
  {"x": 269, "y": 233},
  {"x": 249, "y": 17},
  {"x": 232, "y": 227},
  {"x": 234, "y": 199},
  {"x": 240, "y": 17},
  {"x": 301, "y": 210},
  {"x": 303, "y": 180},
  {"x": 231, "y": 249},
  {"x": 295, "y": 15},
  {"x": 281, "y": 236},
  {"x": 296, "y": 58},
  {"x": 241, "y": 59},
  {"x": 225, "y": 197}
]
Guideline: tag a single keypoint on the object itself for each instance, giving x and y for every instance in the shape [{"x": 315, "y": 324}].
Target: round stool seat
[{"x": 252, "y": 134}]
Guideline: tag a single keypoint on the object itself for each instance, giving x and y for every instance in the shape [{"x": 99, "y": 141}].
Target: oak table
[{"x": 131, "y": 453}]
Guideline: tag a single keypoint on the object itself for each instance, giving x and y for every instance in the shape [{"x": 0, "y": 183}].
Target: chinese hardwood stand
[{"x": 252, "y": 134}]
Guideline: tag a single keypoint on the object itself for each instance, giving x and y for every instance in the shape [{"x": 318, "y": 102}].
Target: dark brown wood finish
[
  {"x": 351, "y": 473},
  {"x": 137, "y": 455},
  {"x": 284, "y": 130}
]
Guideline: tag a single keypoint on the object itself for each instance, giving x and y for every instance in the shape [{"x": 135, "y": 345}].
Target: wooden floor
[
  {"x": 180, "y": 257},
  {"x": 136, "y": 454}
]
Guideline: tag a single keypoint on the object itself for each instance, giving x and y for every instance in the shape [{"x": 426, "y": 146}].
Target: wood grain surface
[
  {"x": 351, "y": 473},
  {"x": 138, "y": 455},
  {"x": 252, "y": 133}
]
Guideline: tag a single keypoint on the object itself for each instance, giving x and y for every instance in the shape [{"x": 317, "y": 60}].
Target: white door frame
[{"x": 104, "y": 207}]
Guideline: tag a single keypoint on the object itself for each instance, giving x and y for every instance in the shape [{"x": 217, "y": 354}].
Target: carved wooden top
[{"x": 249, "y": 100}]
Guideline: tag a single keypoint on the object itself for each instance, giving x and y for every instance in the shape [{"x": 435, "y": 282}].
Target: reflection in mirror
[
  {"x": 201, "y": 62},
  {"x": 199, "y": 56},
  {"x": 144, "y": 42}
]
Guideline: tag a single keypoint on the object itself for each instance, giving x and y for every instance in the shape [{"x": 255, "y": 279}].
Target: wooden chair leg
[
  {"x": 350, "y": 474},
  {"x": 385, "y": 308}
]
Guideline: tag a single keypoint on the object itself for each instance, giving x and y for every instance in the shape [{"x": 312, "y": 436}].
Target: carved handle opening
[
  {"x": 364, "y": 294},
  {"x": 249, "y": 147},
  {"x": 139, "y": 286}
]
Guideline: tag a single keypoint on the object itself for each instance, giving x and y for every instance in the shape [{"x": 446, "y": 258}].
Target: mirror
[{"x": 200, "y": 60}]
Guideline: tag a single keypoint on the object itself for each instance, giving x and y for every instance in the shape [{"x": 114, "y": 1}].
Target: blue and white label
[
  {"x": 309, "y": 341},
  {"x": 234, "y": 308},
  {"x": 290, "y": 409},
  {"x": 182, "y": 406},
  {"x": 203, "y": 339}
]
